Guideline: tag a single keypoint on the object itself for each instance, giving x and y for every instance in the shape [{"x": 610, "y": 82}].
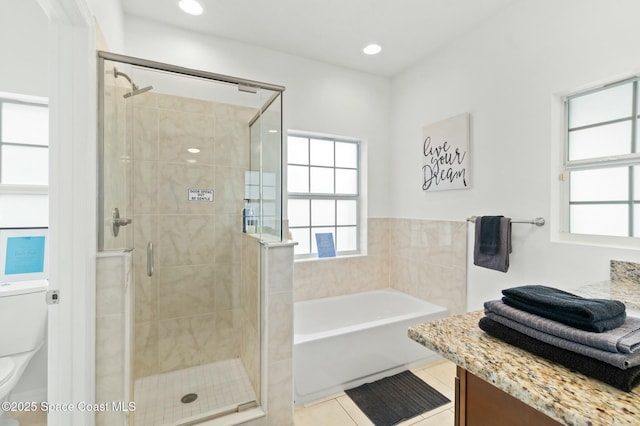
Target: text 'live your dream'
[{"x": 442, "y": 164}]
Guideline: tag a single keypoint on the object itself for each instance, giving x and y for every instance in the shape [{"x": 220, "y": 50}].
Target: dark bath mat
[{"x": 393, "y": 399}]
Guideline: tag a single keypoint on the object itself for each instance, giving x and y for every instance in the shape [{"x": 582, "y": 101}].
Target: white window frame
[
  {"x": 566, "y": 167},
  {"x": 22, "y": 189},
  {"x": 358, "y": 197}
]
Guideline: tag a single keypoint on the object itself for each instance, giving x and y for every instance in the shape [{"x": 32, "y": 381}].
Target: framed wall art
[{"x": 445, "y": 151}]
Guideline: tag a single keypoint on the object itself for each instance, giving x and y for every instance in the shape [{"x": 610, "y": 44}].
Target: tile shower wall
[
  {"x": 271, "y": 263},
  {"x": 250, "y": 297},
  {"x": 424, "y": 258},
  {"x": 277, "y": 275},
  {"x": 189, "y": 312},
  {"x": 112, "y": 333}
]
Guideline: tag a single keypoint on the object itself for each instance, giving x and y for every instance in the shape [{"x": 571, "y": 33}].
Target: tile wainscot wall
[{"x": 424, "y": 258}]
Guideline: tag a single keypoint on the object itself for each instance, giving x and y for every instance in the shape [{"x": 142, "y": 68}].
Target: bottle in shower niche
[
  {"x": 251, "y": 222},
  {"x": 248, "y": 219}
]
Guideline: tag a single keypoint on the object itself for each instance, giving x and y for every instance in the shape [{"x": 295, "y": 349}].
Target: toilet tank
[{"x": 23, "y": 316}]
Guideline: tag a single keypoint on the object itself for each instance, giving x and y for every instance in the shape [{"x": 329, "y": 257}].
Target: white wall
[
  {"x": 110, "y": 22},
  {"x": 507, "y": 74},
  {"x": 318, "y": 97},
  {"x": 23, "y": 47},
  {"x": 24, "y": 70}
]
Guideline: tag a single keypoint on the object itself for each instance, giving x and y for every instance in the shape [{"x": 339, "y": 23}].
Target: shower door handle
[{"x": 149, "y": 259}]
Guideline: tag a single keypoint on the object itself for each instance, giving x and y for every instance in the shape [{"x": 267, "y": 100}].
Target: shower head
[
  {"x": 134, "y": 87},
  {"x": 137, "y": 91}
]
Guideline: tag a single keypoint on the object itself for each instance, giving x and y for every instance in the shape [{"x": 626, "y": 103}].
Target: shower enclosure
[{"x": 185, "y": 155}]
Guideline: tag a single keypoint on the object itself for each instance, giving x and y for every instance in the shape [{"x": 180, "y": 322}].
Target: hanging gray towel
[
  {"x": 500, "y": 260},
  {"x": 489, "y": 234}
]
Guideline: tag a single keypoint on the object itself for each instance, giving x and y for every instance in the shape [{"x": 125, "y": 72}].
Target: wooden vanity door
[{"x": 479, "y": 403}]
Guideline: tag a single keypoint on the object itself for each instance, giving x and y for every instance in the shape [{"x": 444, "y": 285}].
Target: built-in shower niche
[{"x": 175, "y": 162}]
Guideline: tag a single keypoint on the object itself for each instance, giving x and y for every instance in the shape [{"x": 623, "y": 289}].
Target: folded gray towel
[
  {"x": 587, "y": 314},
  {"x": 500, "y": 260},
  {"x": 624, "y": 380},
  {"x": 624, "y": 339},
  {"x": 622, "y": 361}
]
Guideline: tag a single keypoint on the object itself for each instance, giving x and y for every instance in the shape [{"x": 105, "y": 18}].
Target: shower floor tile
[{"x": 219, "y": 386}]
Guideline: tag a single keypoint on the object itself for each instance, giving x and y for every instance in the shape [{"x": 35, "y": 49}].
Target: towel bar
[{"x": 538, "y": 221}]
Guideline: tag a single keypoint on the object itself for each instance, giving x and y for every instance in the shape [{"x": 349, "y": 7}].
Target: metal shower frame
[{"x": 243, "y": 85}]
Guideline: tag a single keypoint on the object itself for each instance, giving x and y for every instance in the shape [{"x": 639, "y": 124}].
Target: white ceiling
[{"x": 332, "y": 31}]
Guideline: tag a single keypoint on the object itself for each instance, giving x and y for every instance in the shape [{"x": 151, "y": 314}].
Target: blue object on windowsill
[{"x": 326, "y": 247}]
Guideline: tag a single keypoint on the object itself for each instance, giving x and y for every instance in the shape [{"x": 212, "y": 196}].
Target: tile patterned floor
[
  {"x": 30, "y": 418},
  {"x": 219, "y": 386},
  {"x": 339, "y": 410}
]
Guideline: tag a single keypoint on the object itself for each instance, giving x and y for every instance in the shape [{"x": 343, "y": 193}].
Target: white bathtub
[{"x": 344, "y": 341}]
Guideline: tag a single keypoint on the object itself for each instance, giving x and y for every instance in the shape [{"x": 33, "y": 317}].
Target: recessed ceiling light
[
  {"x": 372, "y": 49},
  {"x": 192, "y": 7},
  {"x": 193, "y": 150}
]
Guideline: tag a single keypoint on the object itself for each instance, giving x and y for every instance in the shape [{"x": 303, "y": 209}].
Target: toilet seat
[{"x": 7, "y": 367}]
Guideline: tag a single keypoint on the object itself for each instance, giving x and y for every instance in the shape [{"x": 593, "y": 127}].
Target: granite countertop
[
  {"x": 624, "y": 291},
  {"x": 569, "y": 397}
]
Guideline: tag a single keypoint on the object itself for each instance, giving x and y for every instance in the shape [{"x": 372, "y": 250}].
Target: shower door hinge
[{"x": 53, "y": 297}]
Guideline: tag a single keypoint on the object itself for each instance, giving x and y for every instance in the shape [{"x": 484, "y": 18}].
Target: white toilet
[{"x": 23, "y": 318}]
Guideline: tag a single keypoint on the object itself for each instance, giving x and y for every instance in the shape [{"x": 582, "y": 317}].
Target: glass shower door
[
  {"x": 178, "y": 148},
  {"x": 189, "y": 154},
  {"x": 115, "y": 168},
  {"x": 263, "y": 186}
]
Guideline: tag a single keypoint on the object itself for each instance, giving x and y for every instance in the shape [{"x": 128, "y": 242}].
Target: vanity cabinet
[
  {"x": 499, "y": 384},
  {"x": 478, "y": 403}
]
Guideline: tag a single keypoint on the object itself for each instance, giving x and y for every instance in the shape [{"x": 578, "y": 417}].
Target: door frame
[{"x": 72, "y": 211}]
